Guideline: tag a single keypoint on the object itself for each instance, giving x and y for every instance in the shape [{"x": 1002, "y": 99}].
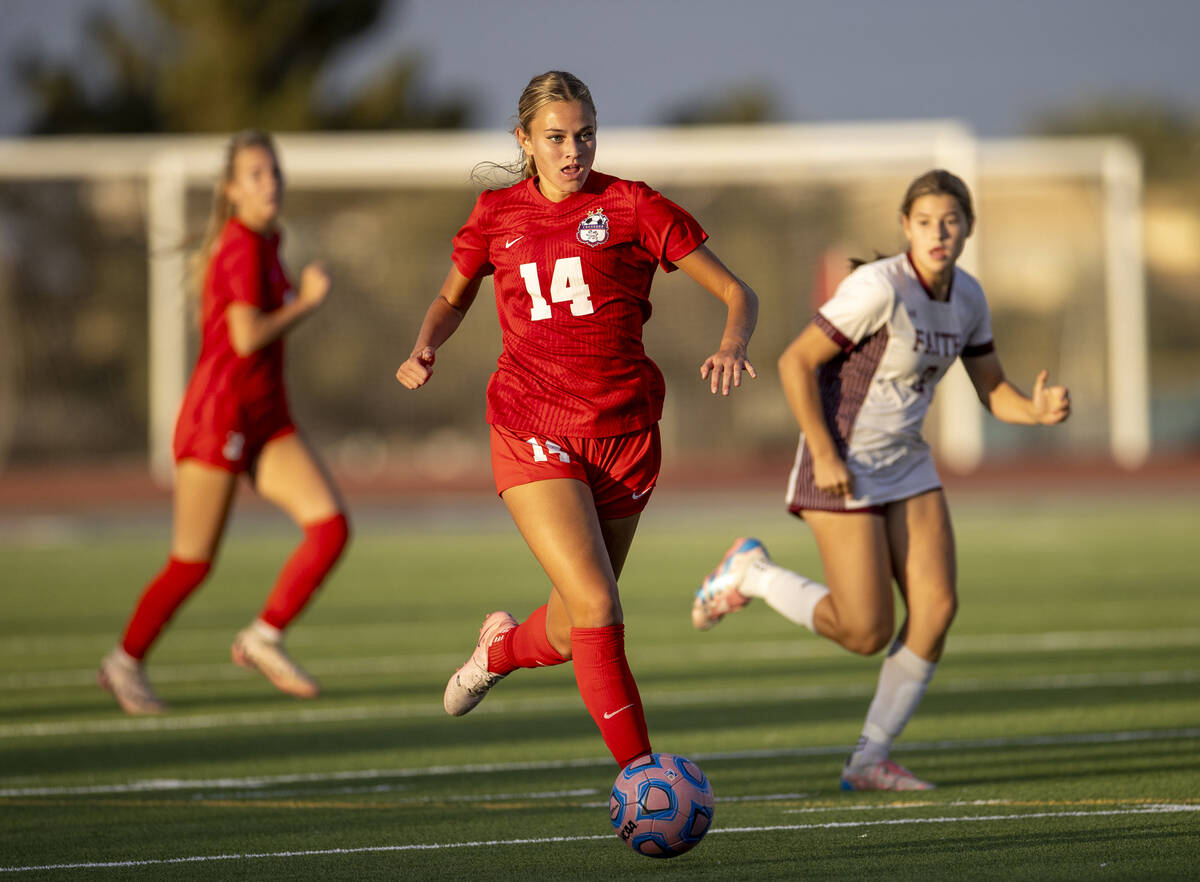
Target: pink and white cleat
[
  {"x": 719, "y": 594},
  {"x": 886, "y": 775},
  {"x": 472, "y": 681},
  {"x": 125, "y": 678},
  {"x": 253, "y": 650}
]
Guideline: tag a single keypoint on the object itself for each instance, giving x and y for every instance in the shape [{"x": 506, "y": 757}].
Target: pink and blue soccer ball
[{"x": 661, "y": 805}]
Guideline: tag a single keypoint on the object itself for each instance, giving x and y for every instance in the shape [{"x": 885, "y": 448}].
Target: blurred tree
[
  {"x": 222, "y": 65},
  {"x": 738, "y": 104},
  {"x": 1169, "y": 139}
]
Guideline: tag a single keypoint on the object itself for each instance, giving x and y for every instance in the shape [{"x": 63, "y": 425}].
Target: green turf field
[{"x": 1063, "y": 726}]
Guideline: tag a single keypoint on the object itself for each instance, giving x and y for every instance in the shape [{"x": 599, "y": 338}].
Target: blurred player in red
[
  {"x": 574, "y": 403},
  {"x": 859, "y": 380},
  {"x": 234, "y": 419}
]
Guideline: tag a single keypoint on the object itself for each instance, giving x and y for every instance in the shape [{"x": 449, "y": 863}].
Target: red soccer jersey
[
  {"x": 572, "y": 283},
  {"x": 245, "y": 268}
]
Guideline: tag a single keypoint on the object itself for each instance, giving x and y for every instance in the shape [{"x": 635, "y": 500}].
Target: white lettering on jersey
[
  {"x": 541, "y": 309},
  {"x": 566, "y": 284},
  {"x": 539, "y": 452}
]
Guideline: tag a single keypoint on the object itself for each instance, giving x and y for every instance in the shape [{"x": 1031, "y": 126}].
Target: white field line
[
  {"x": 558, "y": 795},
  {"x": 263, "y": 782},
  {"x": 415, "y": 663},
  {"x": 488, "y": 843},
  {"x": 673, "y": 698}
]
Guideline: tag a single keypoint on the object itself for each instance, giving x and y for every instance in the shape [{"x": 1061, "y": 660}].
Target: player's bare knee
[
  {"x": 596, "y": 609},
  {"x": 868, "y": 639}
]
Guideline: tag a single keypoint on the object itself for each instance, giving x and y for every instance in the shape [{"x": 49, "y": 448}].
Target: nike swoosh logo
[
  {"x": 510, "y": 244},
  {"x": 643, "y": 493},
  {"x": 610, "y": 715}
]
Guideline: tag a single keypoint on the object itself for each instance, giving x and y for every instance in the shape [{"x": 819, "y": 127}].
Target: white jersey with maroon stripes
[{"x": 897, "y": 342}]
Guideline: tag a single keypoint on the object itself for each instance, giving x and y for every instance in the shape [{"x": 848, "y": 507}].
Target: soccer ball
[{"x": 661, "y": 805}]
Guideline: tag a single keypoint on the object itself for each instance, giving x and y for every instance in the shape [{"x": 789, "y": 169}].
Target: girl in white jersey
[{"x": 859, "y": 380}]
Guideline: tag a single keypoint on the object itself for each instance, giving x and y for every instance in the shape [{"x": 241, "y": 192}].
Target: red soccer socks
[
  {"x": 525, "y": 646},
  {"x": 609, "y": 691},
  {"x": 306, "y": 569},
  {"x": 163, "y": 596}
]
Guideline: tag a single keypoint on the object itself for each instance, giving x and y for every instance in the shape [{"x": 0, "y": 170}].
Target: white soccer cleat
[
  {"x": 125, "y": 678},
  {"x": 473, "y": 680},
  {"x": 258, "y": 653},
  {"x": 886, "y": 775},
  {"x": 719, "y": 594}
]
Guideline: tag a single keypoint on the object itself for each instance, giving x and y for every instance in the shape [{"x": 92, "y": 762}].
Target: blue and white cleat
[{"x": 720, "y": 593}]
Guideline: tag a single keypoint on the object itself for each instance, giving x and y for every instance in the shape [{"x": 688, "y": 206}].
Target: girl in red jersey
[
  {"x": 234, "y": 419},
  {"x": 575, "y": 402}
]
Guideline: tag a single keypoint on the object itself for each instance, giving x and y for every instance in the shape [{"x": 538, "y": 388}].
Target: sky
[{"x": 993, "y": 64}]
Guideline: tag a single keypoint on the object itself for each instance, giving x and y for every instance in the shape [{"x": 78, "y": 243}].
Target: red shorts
[
  {"x": 230, "y": 438},
  {"x": 621, "y": 471}
]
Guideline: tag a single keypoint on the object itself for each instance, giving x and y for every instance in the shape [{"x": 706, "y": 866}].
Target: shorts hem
[
  {"x": 246, "y": 464},
  {"x": 222, "y": 464},
  {"x": 877, "y": 508},
  {"x": 798, "y": 510}
]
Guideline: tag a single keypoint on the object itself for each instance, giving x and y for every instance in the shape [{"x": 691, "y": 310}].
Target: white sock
[
  {"x": 789, "y": 594},
  {"x": 902, "y": 682},
  {"x": 267, "y": 632}
]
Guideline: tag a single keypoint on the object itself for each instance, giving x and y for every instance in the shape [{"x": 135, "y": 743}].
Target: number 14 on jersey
[{"x": 566, "y": 283}]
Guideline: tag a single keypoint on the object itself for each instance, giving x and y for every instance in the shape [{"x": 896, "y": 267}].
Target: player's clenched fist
[
  {"x": 415, "y": 372},
  {"x": 314, "y": 284}
]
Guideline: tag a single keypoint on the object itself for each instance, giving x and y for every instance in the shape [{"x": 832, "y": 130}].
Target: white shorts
[{"x": 880, "y": 477}]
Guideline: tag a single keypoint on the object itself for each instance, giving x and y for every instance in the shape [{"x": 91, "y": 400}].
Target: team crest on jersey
[{"x": 593, "y": 229}]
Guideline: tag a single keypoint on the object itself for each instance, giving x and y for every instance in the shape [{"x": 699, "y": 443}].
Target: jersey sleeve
[
  {"x": 979, "y": 338},
  {"x": 242, "y": 273},
  {"x": 470, "y": 255},
  {"x": 861, "y": 306},
  {"x": 664, "y": 229}
]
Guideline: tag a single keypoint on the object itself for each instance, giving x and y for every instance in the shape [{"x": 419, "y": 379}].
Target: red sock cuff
[
  {"x": 189, "y": 566},
  {"x": 525, "y": 646},
  {"x": 607, "y": 640},
  {"x": 332, "y": 532}
]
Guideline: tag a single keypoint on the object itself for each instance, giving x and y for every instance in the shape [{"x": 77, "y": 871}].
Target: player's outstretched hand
[
  {"x": 416, "y": 372},
  {"x": 1051, "y": 404},
  {"x": 725, "y": 368},
  {"x": 314, "y": 285}
]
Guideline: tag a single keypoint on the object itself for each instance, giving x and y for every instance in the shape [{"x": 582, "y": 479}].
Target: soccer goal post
[{"x": 1116, "y": 167}]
